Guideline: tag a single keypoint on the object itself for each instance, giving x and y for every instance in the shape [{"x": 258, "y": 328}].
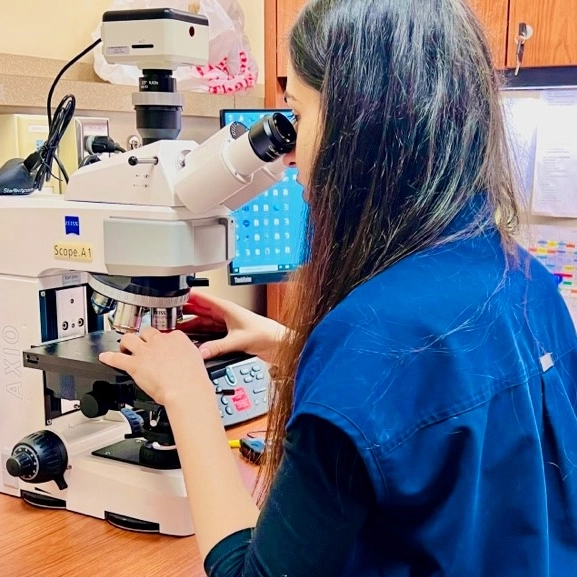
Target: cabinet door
[
  {"x": 286, "y": 12},
  {"x": 493, "y": 17},
  {"x": 554, "y": 23}
]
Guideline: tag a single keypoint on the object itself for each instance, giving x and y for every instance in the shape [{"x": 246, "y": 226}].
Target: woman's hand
[
  {"x": 164, "y": 365},
  {"x": 245, "y": 331}
]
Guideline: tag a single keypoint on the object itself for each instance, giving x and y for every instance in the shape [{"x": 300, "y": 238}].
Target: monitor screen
[{"x": 269, "y": 228}]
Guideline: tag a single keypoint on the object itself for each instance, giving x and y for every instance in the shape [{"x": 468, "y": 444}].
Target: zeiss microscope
[{"x": 124, "y": 241}]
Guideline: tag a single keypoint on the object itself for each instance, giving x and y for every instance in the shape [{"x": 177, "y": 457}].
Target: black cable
[
  {"x": 61, "y": 74},
  {"x": 31, "y": 173},
  {"x": 90, "y": 159},
  {"x": 57, "y": 125},
  {"x": 39, "y": 163},
  {"x": 100, "y": 144},
  {"x": 47, "y": 153}
]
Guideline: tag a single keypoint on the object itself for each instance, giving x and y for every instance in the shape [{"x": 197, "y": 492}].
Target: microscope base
[
  {"x": 42, "y": 501},
  {"x": 104, "y": 488},
  {"x": 146, "y": 499}
]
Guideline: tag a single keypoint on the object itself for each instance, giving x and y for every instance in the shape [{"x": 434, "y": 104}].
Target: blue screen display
[{"x": 269, "y": 228}]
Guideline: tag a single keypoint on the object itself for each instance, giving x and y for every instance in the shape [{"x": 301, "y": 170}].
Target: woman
[{"x": 424, "y": 421}]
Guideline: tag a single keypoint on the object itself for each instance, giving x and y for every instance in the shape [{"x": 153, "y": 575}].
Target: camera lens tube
[{"x": 158, "y": 106}]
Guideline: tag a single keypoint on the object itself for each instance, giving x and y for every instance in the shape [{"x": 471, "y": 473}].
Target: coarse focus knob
[
  {"x": 94, "y": 405},
  {"x": 38, "y": 458},
  {"x": 21, "y": 465}
]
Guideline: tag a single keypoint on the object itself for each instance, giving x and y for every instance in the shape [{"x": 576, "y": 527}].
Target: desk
[{"x": 51, "y": 543}]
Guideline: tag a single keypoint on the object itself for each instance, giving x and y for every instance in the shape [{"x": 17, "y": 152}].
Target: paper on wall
[
  {"x": 522, "y": 111},
  {"x": 555, "y": 179}
]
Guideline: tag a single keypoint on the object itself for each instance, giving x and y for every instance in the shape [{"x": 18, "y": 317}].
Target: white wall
[
  {"x": 60, "y": 29},
  {"x": 254, "y": 29},
  {"x": 50, "y": 28}
]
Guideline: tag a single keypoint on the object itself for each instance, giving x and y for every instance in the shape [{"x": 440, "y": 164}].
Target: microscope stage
[
  {"x": 79, "y": 356},
  {"x": 72, "y": 370}
]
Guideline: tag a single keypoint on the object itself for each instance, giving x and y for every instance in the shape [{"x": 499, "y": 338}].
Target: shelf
[{"x": 25, "y": 82}]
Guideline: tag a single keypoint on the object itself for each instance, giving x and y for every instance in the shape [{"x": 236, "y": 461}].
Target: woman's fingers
[
  {"x": 148, "y": 333},
  {"x": 203, "y": 304},
  {"x": 120, "y": 361},
  {"x": 130, "y": 343},
  {"x": 201, "y": 324},
  {"x": 218, "y": 347}
]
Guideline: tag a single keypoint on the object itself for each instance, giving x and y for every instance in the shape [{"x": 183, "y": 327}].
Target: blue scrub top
[{"x": 454, "y": 372}]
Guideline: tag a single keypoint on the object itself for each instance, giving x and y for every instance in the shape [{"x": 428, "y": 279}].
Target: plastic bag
[{"x": 231, "y": 66}]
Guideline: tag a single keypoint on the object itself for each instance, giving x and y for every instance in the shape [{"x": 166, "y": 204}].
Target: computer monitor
[{"x": 270, "y": 228}]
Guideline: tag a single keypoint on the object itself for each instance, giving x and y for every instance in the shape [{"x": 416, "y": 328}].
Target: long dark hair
[{"x": 412, "y": 134}]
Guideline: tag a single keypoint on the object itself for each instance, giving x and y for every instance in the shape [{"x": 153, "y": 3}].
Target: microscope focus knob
[
  {"x": 21, "y": 464},
  {"x": 38, "y": 458},
  {"x": 94, "y": 405}
]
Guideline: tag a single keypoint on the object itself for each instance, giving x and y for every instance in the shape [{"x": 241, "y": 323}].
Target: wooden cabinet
[
  {"x": 493, "y": 17},
  {"x": 278, "y": 18},
  {"x": 287, "y": 11},
  {"x": 554, "y": 23}
]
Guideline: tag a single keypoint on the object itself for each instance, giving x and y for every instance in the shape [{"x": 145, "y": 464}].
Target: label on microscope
[{"x": 73, "y": 251}]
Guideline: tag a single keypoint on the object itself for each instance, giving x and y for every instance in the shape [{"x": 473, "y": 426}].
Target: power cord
[
  {"x": 90, "y": 159},
  {"x": 51, "y": 93},
  {"x": 61, "y": 74},
  {"x": 97, "y": 145},
  {"x": 39, "y": 163},
  {"x": 100, "y": 144}
]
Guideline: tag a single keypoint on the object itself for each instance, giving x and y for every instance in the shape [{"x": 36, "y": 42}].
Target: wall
[
  {"x": 60, "y": 29},
  {"x": 254, "y": 29}
]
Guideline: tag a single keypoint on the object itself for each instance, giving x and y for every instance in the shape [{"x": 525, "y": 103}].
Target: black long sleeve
[{"x": 318, "y": 502}]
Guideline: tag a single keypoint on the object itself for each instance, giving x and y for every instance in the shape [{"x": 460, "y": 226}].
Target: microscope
[{"x": 124, "y": 243}]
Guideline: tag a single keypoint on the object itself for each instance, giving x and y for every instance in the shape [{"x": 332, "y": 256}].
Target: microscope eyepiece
[
  {"x": 272, "y": 136},
  {"x": 235, "y": 164}
]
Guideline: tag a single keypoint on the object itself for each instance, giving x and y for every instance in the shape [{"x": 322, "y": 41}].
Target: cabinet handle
[{"x": 525, "y": 33}]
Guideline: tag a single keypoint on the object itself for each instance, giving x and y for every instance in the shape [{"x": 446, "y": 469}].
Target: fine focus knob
[
  {"x": 38, "y": 458},
  {"x": 21, "y": 465}
]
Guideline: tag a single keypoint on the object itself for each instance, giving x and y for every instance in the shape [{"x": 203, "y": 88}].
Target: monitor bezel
[{"x": 264, "y": 277}]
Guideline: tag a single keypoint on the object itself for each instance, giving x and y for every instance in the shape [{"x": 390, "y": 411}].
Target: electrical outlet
[
  {"x": 71, "y": 149},
  {"x": 89, "y": 127},
  {"x": 134, "y": 142},
  {"x": 71, "y": 311}
]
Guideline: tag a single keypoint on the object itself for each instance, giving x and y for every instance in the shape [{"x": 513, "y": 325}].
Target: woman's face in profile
[{"x": 305, "y": 103}]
